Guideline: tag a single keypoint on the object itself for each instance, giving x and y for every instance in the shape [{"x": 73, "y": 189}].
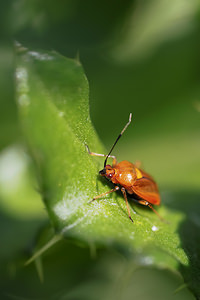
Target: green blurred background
[{"x": 140, "y": 57}]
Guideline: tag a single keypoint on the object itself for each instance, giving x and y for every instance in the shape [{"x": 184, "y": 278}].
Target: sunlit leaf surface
[{"x": 52, "y": 97}]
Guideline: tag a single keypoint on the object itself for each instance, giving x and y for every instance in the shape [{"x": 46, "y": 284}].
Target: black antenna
[{"x": 130, "y": 116}]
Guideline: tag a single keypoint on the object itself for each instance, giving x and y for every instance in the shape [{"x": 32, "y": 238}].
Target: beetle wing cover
[{"x": 147, "y": 189}]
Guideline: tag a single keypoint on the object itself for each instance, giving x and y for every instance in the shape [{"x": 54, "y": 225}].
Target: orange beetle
[{"x": 130, "y": 179}]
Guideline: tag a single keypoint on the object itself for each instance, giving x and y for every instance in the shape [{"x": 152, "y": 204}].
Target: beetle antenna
[{"x": 130, "y": 116}]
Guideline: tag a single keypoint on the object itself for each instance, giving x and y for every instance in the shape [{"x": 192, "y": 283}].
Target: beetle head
[{"x": 107, "y": 172}]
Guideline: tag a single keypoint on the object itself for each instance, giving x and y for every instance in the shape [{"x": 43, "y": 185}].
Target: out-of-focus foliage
[{"x": 140, "y": 57}]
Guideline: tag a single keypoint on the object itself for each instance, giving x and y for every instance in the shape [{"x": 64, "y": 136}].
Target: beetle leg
[
  {"x": 125, "y": 197},
  {"x": 102, "y": 155},
  {"x": 146, "y": 203},
  {"x": 116, "y": 188},
  {"x": 155, "y": 211}
]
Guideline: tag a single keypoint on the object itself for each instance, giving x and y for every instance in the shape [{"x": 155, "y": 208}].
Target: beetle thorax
[{"x": 125, "y": 174}]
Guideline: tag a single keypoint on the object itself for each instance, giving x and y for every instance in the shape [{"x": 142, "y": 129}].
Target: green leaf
[{"x": 52, "y": 97}]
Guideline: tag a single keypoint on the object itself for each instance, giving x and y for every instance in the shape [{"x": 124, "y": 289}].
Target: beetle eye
[{"x": 102, "y": 172}]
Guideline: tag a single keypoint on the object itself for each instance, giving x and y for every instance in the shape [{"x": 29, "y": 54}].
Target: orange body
[
  {"x": 134, "y": 180},
  {"x": 130, "y": 179}
]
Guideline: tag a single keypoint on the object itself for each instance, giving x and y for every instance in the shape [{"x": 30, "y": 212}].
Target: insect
[{"x": 130, "y": 179}]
